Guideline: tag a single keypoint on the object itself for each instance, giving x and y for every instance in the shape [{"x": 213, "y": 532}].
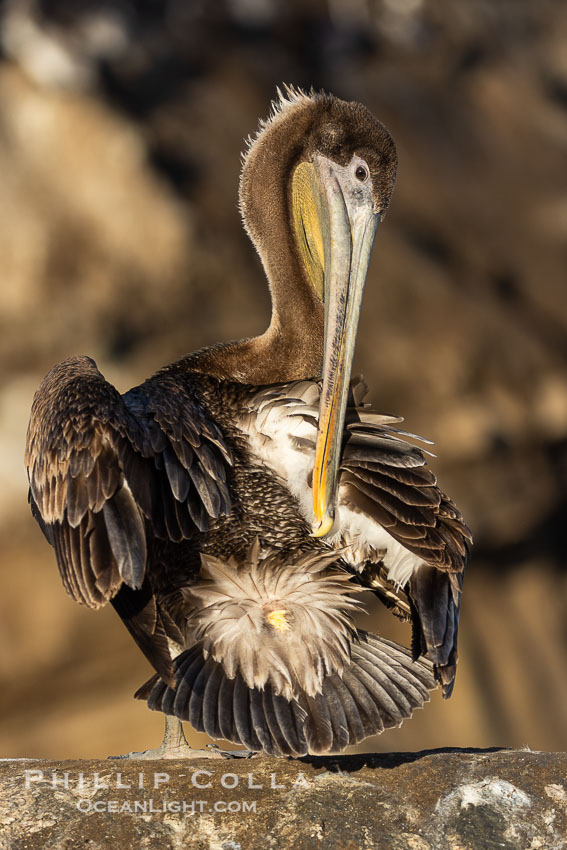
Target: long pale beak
[{"x": 348, "y": 225}]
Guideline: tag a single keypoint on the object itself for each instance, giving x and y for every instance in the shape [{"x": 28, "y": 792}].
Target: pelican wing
[
  {"x": 386, "y": 478},
  {"x": 425, "y": 540},
  {"x": 108, "y": 473}
]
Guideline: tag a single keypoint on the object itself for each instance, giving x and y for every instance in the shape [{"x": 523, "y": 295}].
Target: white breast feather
[
  {"x": 367, "y": 536},
  {"x": 279, "y": 454},
  {"x": 271, "y": 435}
]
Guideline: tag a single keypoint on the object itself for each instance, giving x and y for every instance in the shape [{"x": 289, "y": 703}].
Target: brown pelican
[{"x": 232, "y": 506}]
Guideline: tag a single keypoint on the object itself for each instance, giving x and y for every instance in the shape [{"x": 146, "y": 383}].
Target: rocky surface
[{"x": 431, "y": 800}]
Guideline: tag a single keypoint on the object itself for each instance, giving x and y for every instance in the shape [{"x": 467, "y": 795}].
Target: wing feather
[
  {"x": 139, "y": 460},
  {"x": 108, "y": 473}
]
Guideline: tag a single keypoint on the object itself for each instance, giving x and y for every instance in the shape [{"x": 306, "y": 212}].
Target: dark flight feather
[
  {"x": 377, "y": 480},
  {"x": 141, "y": 615},
  {"x": 436, "y": 601}
]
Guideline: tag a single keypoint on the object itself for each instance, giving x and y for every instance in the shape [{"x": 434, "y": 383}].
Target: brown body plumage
[{"x": 186, "y": 502}]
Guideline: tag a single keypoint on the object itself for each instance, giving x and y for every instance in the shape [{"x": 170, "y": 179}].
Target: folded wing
[{"x": 109, "y": 473}]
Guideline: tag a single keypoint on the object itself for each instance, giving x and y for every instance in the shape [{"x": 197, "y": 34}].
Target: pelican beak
[{"x": 348, "y": 224}]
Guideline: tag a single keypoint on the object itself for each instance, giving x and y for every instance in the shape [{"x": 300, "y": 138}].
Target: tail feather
[
  {"x": 318, "y": 726},
  {"x": 407, "y": 678},
  {"x": 339, "y": 722},
  {"x": 211, "y": 702},
  {"x": 154, "y": 691},
  {"x": 226, "y": 711},
  {"x": 392, "y": 701},
  {"x": 245, "y": 729},
  {"x": 291, "y": 730},
  {"x": 369, "y": 710},
  {"x": 410, "y": 682},
  {"x": 193, "y": 663},
  {"x": 195, "y": 703},
  {"x": 406, "y": 688},
  {"x": 259, "y": 722},
  {"x": 378, "y": 688},
  {"x": 356, "y": 731},
  {"x": 168, "y": 701},
  {"x": 281, "y": 741}
]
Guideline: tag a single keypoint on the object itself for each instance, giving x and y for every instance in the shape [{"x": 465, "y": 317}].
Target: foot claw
[{"x": 233, "y": 754}]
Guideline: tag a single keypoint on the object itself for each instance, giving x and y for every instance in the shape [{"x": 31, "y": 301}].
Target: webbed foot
[{"x": 173, "y": 746}]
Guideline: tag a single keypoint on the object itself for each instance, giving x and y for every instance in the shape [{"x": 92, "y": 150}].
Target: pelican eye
[{"x": 361, "y": 173}]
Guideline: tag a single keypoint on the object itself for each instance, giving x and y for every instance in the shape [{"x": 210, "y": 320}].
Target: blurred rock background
[{"x": 121, "y": 127}]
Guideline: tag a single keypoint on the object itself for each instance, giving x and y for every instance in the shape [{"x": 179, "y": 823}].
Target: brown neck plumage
[{"x": 292, "y": 346}]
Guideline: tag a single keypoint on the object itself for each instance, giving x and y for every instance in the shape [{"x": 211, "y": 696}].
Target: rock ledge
[{"x": 462, "y": 799}]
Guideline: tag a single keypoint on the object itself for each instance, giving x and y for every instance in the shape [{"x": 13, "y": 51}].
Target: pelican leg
[{"x": 173, "y": 746}]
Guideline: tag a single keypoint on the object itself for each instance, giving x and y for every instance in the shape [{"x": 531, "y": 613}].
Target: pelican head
[{"x": 315, "y": 184}]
